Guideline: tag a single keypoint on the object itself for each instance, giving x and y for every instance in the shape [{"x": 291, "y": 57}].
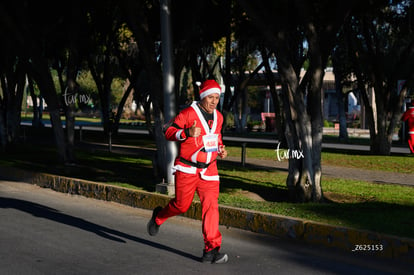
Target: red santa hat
[{"x": 209, "y": 87}]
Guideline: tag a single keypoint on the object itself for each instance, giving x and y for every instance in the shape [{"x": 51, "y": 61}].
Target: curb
[{"x": 343, "y": 238}]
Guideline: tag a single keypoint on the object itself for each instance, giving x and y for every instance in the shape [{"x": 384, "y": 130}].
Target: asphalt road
[{"x": 46, "y": 232}]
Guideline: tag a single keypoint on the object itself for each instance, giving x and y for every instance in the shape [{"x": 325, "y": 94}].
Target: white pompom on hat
[{"x": 209, "y": 87}]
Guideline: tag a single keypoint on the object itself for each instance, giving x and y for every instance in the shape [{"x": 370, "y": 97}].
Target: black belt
[{"x": 197, "y": 164}]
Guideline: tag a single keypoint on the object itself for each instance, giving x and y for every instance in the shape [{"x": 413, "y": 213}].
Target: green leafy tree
[
  {"x": 33, "y": 33},
  {"x": 317, "y": 22},
  {"x": 381, "y": 46}
]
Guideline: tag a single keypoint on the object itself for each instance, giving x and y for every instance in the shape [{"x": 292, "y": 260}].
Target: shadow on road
[{"x": 45, "y": 212}]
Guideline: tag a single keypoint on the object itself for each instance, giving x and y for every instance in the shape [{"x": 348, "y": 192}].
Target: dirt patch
[
  {"x": 341, "y": 198},
  {"x": 250, "y": 195},
  {"x": 329, "y": 197}
]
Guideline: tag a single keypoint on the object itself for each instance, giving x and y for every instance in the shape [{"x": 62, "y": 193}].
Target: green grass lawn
[
  {"x": 363, "y": 205},
  {"x": 395, "y": 163},
  {"x": 378, "y": 207}
]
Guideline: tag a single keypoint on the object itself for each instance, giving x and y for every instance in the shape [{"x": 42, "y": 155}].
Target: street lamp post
[{"x": 169, "y": 98}]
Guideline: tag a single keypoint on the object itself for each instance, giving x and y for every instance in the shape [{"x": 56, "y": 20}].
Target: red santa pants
[
  {"x": 208, "y": 191},
  {"x": 411, "y": 142}
]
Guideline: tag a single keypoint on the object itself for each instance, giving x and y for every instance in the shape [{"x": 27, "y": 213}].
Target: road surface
[{"x": 46, "y": 232}]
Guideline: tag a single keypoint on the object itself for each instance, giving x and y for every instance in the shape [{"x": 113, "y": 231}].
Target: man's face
[{"x": 209, "y": 103}]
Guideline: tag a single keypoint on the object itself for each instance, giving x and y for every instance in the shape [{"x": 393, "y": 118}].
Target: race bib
[{"x": 210, "y": 142}]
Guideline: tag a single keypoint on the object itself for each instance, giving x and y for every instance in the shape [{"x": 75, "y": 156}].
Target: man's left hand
[{"x": 222, "y": 151}]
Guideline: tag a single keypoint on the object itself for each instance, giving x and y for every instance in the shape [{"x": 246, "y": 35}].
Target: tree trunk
[
  {"x": 227, "y": 74},
  {"x": 14, "y": 106},
  {"x": 276, "y": 100},
  {"x": 3, "y": 136},
  {"x": 140, "y": 28},
  {"x": 69, "y": 93},
  {"x": 315, "y": 106},
  {"x": 343, "y": 131},
  {"x": 104, "y": 89},
  {"x": 37, "y": 112},
  {"x": 120, "y": 109},
  {"x": 12, "y": 83},
  {"x": 380, "y": 141},
  {"x": 72, "y": 86},
  {"x": 241, "y": 97},
  {"x": 239, "y": 109},
  {"x": 304, "y": 126},
  {"x": 42, "y": 76},
  {"x": 72, "y": 89}
]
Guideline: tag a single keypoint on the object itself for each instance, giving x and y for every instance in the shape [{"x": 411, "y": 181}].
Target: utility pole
[{"x": 168, "y": 186}]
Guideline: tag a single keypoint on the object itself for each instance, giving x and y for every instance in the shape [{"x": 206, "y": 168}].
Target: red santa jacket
[
  {"x": 409, "y": 115},
  {"x": 192, "y": 150}
]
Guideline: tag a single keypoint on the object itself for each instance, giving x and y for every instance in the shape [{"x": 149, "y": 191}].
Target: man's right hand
[{"x": 194, "y": 130}]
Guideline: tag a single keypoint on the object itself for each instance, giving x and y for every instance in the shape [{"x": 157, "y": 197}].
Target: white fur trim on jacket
[
  {"x": 187, "y": 170},
  {"x": 209, "y": 178},
  {"x": 178, "y": 135}
]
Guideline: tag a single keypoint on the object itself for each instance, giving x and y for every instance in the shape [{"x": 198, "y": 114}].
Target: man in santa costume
[
  {"x": 198, "y": 131},
  {"x": 409, "y": 117}
]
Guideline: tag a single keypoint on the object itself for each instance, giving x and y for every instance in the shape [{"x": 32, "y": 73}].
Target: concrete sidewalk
[{"x": 343, "y": 238}]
